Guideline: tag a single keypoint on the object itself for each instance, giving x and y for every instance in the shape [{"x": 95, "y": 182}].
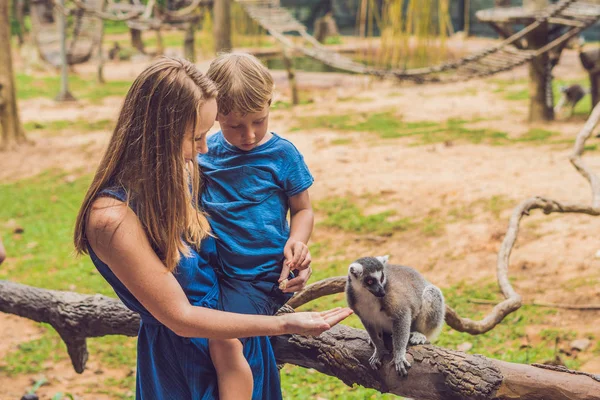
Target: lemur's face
[{"x": 368, "y": 273}]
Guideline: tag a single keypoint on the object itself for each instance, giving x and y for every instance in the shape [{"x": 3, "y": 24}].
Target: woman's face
[{"x": 195, "y": 142}]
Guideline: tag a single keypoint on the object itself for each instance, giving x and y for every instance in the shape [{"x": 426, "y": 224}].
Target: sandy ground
[{"x": 550, "y": 254}]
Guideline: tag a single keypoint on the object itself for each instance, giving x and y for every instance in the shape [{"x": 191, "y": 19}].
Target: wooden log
[{"x": 436, "y": 373}]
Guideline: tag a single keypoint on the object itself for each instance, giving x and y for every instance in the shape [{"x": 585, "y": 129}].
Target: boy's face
[{"x": 245, "y": 131}]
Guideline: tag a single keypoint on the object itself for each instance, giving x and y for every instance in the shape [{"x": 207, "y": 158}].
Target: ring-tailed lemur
[
  {"x": 570, "y": 96},
  {"x": 395, "y": 300}
]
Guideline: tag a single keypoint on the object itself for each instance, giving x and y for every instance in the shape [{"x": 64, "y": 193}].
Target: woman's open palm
[{"x": 314, "y": 323}]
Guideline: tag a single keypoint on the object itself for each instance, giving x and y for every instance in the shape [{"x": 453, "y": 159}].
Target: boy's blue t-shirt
[{"x": 245, "y": 194}]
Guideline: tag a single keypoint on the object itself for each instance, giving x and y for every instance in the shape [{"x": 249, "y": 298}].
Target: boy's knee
[{"x": 2, "y": 253}]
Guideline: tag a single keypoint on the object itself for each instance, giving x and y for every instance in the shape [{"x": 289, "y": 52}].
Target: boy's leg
[{"x": 233, "y": 372}]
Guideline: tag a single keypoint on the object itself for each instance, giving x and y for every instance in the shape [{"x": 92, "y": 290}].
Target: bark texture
[
  {"x": 10, "y": 122},
  {"x": 222, "y": 25},
  {"x": 436, "y": 373}
]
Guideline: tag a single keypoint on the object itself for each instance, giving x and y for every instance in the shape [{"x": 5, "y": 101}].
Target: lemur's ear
[
  {"x": 355, "y": 269},
  {"x": 383, "y": 259}
]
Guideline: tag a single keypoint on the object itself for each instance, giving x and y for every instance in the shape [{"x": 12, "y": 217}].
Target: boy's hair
[
  {"x": 144, "y": 157},
  {"x": 245, "y": 85}
]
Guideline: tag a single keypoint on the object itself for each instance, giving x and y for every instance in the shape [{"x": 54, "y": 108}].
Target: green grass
[
  {"x": 334, "y": 40},
  {"x": 387, "y": 125},
  {"x": 521, "y": 92},
  {"x": 505, "y": 341},
  {"x": 84, "y": 88},
  {"x": 343, "y": 214},
  {"x": 50, "y": 128},
  {"x": 341, "y": 141},
  {"x": 42, "y": 256},
  {"x": 46, "y": 207},
  {"x": 304, "y": 99}
]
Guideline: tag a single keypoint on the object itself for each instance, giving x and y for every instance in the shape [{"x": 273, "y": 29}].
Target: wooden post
[
  {"x": 289, "y": 66},
  {"x": 136, "y": 40},
  {"x": 64, "y": 94},
  {"x": 222, "y": 25},
  {"x": 18, "y": 9},
  {"x": 189, "y": 51},
  {"x": 10, "y": 123},
  {"x": 160, "y": 48},
  {"x": 362, "y": 19},
  {"x": 540, "y": 73}
]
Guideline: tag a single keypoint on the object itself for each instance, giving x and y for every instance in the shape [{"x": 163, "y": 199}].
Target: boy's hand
[{"x": 296, "y": 256}]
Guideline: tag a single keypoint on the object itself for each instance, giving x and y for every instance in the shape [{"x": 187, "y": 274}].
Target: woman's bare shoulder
[{"x": 106, "y": 215}]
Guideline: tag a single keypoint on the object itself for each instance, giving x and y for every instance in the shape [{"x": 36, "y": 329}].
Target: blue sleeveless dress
[{"x": 173, "y": 367}]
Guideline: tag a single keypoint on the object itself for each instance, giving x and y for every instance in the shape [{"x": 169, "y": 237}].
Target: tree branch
[{"x": 343, "y": 352}]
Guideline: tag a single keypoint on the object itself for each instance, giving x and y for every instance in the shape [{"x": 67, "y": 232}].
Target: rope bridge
[
  {"x": 573, "y": 14},
  {"x": 84, "y": 32}
]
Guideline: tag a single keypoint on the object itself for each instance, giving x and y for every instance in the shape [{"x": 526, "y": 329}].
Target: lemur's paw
[
  {"x": 375, "y": 360},
  {"x": 417, "y": 338},
  {"x": 402, "y": 365}
]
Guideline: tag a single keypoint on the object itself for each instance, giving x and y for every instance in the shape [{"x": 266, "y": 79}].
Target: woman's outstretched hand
[{"x": 314, "y": 323}]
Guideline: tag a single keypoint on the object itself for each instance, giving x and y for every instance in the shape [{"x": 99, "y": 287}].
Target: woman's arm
[{"x": 117, "y": 237}]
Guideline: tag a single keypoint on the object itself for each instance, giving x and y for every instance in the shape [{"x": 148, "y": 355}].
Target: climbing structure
[
  {"x": 574, "y": 15},
  {"x": 84, "y": 31}
]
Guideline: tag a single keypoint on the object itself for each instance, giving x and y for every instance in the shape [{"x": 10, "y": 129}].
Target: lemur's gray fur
[{"x": 395, "y": 300}]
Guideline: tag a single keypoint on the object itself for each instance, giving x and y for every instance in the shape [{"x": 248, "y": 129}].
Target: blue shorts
[{"x": 261, "y": 297}]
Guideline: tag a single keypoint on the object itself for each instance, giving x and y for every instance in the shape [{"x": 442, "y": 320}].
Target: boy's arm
[{"x": 296, "y": 251}]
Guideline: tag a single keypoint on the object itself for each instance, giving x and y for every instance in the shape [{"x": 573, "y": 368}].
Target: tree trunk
[
  {"x": 18, "y": 8},
  {"x": 291, "y": 73},
  {"x": 10, "y": 123},
  {"x": 189, "y": 50},
  {"x": 222, "y": 25},
  {"x": 160, "y": 47},
  {"x": 136, "y": 40},
  {"x": 64, "y": 94},
  {"x": 344, "y": 352},
  {"x": 540, "y": 78},
  {"x": 595, "y": 88}
]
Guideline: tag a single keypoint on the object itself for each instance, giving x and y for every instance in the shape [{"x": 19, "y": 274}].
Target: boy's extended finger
[{"x": 305, "y": 264}]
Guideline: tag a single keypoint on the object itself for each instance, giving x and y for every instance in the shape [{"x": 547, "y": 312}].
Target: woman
[{"x": 141, "y": 225}]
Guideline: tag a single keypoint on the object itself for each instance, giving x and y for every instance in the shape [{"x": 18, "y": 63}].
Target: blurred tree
[{"x": 12, "y": 131}]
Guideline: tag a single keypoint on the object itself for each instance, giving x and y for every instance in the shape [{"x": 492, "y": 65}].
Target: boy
[{"x": 253, "y": 177}]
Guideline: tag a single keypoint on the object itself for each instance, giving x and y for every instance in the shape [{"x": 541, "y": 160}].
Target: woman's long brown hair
[{"x": 145, "y": 158}]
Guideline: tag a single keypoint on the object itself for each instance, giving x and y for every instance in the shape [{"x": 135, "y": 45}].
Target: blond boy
[{"x": 253, "y": 178}]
